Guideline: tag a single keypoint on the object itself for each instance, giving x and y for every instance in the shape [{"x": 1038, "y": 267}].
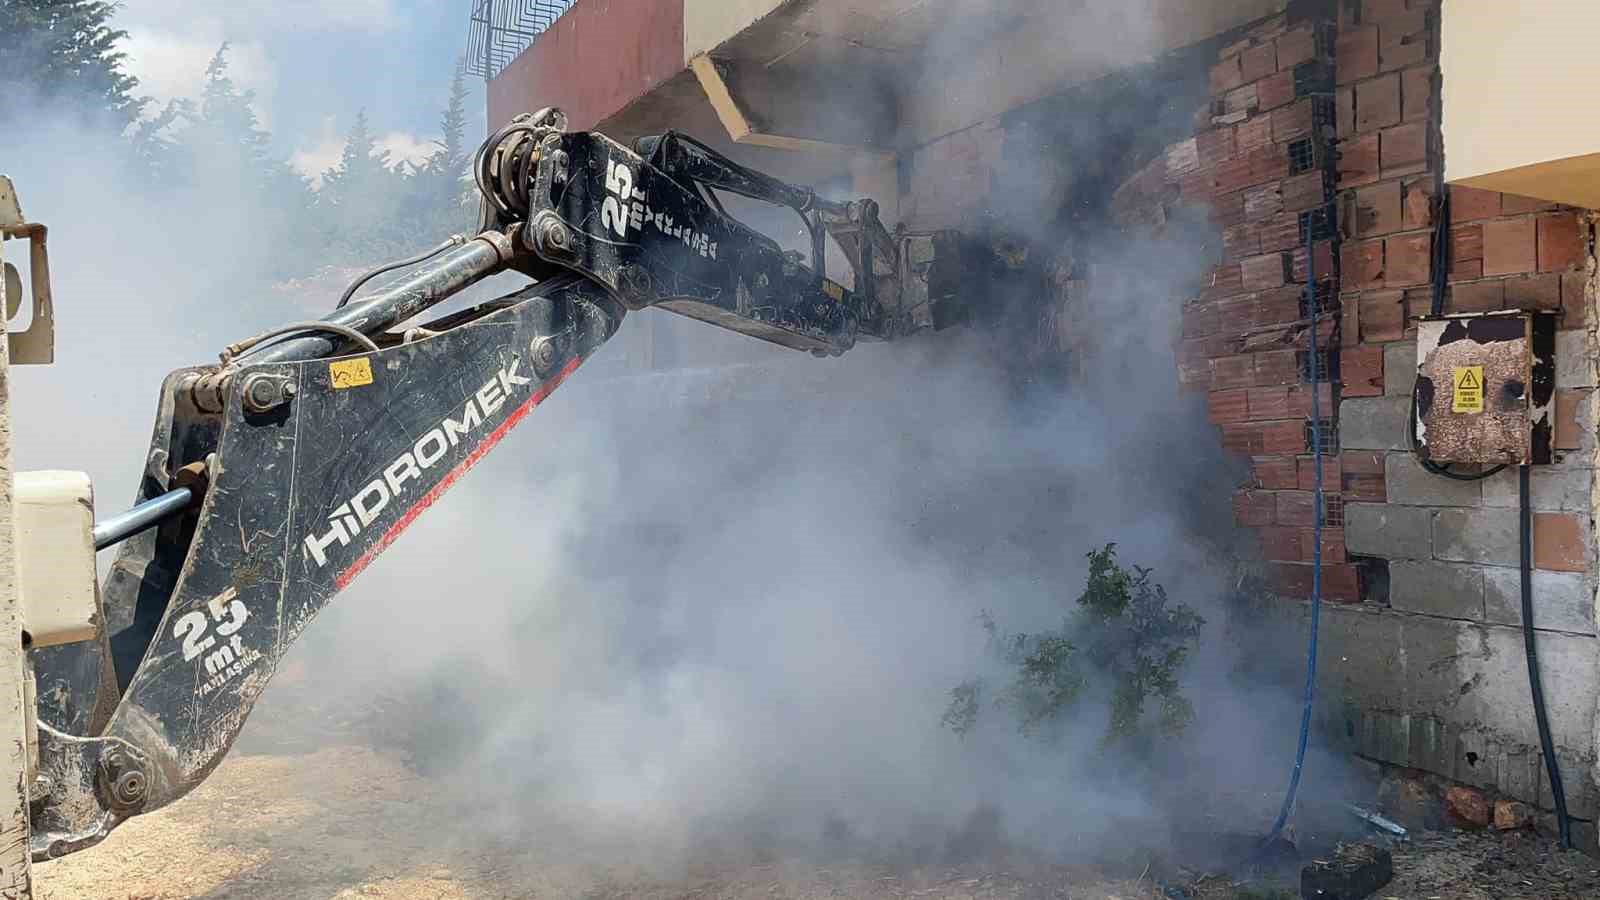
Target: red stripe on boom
[{"x": 434, "y": 493}]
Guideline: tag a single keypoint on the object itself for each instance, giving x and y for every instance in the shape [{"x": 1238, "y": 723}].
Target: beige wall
[
  {"x": 707, "y": 23},
  {"x": 1519, "y": 85}
]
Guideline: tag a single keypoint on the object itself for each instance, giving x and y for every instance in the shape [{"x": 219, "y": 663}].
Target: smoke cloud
[
  {"x": 724, "y": 605},
  {"x": 710, "y": 607}
]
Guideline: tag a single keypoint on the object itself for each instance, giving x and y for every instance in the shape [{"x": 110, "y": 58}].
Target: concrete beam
[
  {"x": 972, "y": 70},
  {"x": 708, "y": 23},
  {"x": 742, "y": 130}
]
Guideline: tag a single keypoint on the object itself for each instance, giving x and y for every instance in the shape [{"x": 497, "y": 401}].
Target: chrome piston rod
[{"x": 148, "y": 514}]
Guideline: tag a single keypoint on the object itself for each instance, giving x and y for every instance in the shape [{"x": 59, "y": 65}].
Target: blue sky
[{"x": 312, "y": 64}]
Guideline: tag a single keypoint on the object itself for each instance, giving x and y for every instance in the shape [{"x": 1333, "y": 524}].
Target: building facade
[{"x": 1363, "y": 164}]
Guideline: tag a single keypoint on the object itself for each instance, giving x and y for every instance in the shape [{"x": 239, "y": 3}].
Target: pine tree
[
  {"x": 160, "y": 156},
  {"x": 439, "y": 199},
  {"x": 361, "y": 166},
  {"x": 363, "y": 200},
  {"x": 219, "y": 153},
  {"x": 64, "y": 52},
  {"x": 452, "y": 153},
  {"x": 226, "y": 139},
  {"x": 444, "y": 194},
  {"x": 226, "y": 116}
]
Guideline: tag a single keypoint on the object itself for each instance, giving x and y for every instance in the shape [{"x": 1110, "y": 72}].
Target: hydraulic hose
[
  {"x": 249, "y": 345},
  {"x": 455, "y": 240}
]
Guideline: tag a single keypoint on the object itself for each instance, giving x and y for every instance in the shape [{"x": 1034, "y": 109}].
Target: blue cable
[{"x": 1316, "y": 557}]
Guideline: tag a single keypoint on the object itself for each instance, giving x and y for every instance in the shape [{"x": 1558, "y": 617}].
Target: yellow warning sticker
[
  {"x": 349, "y": 373},
  {"x": 1468, "y": 382}
]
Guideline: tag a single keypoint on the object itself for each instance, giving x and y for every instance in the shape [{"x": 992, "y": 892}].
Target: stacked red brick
[
  {"x": 1239, "y": 164},
  {"x": 1506, "y": 253},
  {"x": 1385, "y": 65}
]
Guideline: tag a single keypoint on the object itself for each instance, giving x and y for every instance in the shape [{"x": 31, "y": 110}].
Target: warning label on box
[{"x": 1468, "y": 381}]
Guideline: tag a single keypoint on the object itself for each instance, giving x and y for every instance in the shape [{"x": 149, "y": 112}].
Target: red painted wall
[{"x": 595, "y": 59}]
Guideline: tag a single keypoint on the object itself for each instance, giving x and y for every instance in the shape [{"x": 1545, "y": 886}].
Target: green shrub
[{"x": 1124, "y": 639}]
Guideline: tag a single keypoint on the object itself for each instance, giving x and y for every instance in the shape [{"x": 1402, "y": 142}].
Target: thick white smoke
[
  {"x": 691, "y": 607},
  {"x": 726, "y": 605}
]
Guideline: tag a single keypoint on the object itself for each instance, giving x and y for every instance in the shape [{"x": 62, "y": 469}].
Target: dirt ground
[
  {"x": 349, "y": 822},
  {"x": 305, "y": 807},
  {"x": 1488, "y": 866}
]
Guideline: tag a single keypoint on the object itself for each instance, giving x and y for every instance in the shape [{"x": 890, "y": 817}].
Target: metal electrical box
[{"x": 1485, "y": 390}]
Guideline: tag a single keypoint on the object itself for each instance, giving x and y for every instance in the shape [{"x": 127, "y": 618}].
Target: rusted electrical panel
[{"x": 1485, "y": 388}]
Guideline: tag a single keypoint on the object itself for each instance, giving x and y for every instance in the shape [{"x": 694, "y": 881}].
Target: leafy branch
[{"x": 1125, "y": 638}]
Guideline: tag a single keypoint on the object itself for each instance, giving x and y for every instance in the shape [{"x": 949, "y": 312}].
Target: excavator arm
[{"x": 274, "y": 478}]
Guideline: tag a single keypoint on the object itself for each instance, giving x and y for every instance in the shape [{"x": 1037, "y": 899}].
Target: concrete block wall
[
  {"x": 1423, "y": 664},
  {"x": 1243, "y": 335},
  {"x": 1443, "y": 541},
  {"x": 1450, "y": 696}
]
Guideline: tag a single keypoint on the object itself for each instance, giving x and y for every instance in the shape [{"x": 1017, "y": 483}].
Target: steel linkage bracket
[{"x": 36, "y": 345}]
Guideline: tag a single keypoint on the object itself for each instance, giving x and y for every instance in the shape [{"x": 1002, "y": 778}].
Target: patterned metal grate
[
  {"x": 1316, "y": 225},
  {"x": 1303, "y": 156},
  {"x": 1333, "y": 505},
  {"x": 501, "y": 29}
]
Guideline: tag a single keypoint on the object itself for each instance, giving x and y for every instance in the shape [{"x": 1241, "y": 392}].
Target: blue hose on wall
[{"x": 1319, "y": 514}]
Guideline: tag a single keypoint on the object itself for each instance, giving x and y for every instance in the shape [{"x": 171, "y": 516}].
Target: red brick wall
[
  {"x": 1243, "y": 335},
  {"x": 1506, "y": 252}
]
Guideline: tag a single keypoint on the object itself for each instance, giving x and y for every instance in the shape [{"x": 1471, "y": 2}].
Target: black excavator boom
[{"x": 307, "y": 451}]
